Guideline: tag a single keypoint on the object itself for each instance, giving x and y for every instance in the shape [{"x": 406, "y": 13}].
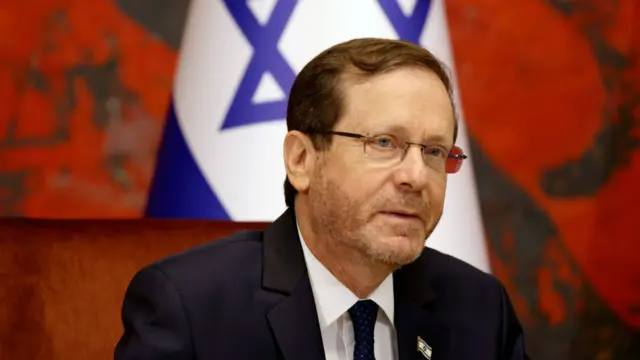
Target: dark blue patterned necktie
[{"x": 363, "y": 315}]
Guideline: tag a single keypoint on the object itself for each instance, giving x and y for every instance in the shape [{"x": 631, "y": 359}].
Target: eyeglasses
[{"x": 389, "y": 150}]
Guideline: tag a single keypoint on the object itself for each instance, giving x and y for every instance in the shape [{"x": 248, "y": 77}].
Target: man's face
[{"x": 384, "y": 209}]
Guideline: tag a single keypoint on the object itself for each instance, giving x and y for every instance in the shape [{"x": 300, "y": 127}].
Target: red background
[{"x": 551, "y": 96}]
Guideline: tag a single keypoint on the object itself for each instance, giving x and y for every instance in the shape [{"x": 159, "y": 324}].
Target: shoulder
[
  {"x": 171, "y": 300},
  {"x": 208, "y": 266},
  {"x": 220, "y": 252},
  {"x": 445, "y": 270},
  {"x": 459, "y": 284}
]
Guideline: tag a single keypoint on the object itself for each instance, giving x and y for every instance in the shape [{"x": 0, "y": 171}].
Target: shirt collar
[{"x": 333, "y": 299}]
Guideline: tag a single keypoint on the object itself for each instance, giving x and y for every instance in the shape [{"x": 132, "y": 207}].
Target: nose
[{"x": 412, "y": 173}]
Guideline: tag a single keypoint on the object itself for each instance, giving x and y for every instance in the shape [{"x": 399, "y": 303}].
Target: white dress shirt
[{"x": 333, "y": 300}]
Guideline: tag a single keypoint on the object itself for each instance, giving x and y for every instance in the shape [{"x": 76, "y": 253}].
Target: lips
[{"x": 402, "y": 214}]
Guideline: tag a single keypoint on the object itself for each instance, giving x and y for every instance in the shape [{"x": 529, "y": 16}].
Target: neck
[{"x": 351, "y": 267}]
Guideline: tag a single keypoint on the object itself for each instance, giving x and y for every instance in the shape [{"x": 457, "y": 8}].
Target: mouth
[{"x": 402, "y": 214}]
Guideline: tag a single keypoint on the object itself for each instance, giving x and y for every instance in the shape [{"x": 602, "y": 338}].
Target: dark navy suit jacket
[{"x": 248, "y": 297}]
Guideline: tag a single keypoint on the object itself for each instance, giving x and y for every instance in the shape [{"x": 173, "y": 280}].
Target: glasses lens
[
  {"x": 384, "y": 149},
  {"x": 454, "y": 161}
]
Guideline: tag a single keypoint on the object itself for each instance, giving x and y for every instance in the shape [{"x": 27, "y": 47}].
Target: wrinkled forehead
[{"x": 409, "y": 102}]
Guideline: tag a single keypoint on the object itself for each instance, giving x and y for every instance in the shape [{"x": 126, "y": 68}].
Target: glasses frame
[{"x": 455, "y": 153}]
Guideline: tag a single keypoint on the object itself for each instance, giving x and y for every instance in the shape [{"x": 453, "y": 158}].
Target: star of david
[{"x": 267, "y": 58}]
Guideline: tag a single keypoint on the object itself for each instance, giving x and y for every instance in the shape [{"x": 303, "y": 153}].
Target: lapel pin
[{"x": 424, "y": 348}]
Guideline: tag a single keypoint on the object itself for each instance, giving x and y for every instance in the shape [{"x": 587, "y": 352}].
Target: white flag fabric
[{"x": 221, "y": 153}]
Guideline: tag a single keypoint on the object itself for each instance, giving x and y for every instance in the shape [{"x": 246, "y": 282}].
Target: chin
[{"x": 396, "y": 250}]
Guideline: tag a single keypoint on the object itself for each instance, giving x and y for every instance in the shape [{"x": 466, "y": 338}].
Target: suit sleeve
[
  {"x": 512, "y": 333},
  {"x": 154, "y": 320}
]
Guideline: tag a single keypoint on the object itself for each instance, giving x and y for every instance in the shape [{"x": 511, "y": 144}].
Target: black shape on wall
[{"x": 163, "y": 18}]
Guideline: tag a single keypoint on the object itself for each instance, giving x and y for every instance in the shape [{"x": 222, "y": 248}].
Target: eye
[
  {"x": 435, "y": 151},
  {"x": 384, "y": 142}
]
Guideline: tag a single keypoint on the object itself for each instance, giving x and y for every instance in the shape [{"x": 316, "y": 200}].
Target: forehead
[{"x": 411, "y": 101}]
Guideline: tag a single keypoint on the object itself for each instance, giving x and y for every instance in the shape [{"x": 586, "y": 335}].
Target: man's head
[{"x": 351, "y": 111}]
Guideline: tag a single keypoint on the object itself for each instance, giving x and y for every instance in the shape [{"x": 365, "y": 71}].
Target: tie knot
[
  {"x": 363, "y": 315},
  {"x": 363, "y": 310}
]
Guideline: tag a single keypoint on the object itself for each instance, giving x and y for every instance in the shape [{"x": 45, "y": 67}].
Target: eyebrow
[
  {"x": 439, "y": 139},
  {"x": 431, "y": 138}
]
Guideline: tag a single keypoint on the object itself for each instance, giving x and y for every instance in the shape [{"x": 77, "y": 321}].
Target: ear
[{"x": 299, "y": 159}]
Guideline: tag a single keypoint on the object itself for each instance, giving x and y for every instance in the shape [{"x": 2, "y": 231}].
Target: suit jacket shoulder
[
  {"x": 175, "y": 307},
  {"x": 223, "y": 271},
  {"x": 216, "y": 258},
  {"x": 450, "y": 276}
]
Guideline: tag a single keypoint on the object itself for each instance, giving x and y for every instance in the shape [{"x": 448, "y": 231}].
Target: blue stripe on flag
[
  {"x": 178, "y": 189},
  {"x": 408, "y": 27}
]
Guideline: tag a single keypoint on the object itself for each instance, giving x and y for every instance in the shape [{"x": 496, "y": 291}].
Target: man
[{"x": 343, "y": 273}]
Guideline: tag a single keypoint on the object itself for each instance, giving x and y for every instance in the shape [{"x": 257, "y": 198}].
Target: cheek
[
  {"x": 358, "y": 185},
  {"x": 356, "y": 179},
  {"x": 367, "y": 186},
  {"x": 436, "y": 191}
]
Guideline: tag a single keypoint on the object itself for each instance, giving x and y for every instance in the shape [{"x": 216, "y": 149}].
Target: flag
[{"x": 221, "y": 152}]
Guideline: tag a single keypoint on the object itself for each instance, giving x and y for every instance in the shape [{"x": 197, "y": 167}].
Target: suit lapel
[
  {"x": 295, "y": 325},
  {"x": 293, "y": 318},
  {"x": 415, "y": 324},
  {"x": 417, "y": 328}
]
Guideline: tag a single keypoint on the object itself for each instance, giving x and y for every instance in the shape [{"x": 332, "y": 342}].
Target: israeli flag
[{"x": 221, "y": 153}]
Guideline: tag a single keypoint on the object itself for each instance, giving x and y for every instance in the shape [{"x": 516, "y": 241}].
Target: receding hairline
[{"x": 352, "y": 75}]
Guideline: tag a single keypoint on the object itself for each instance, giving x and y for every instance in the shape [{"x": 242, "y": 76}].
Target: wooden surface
[{"x": 62, "y": 282}]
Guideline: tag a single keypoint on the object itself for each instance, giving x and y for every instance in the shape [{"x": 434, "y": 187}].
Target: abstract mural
[{"x": 551, "y": 97}]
